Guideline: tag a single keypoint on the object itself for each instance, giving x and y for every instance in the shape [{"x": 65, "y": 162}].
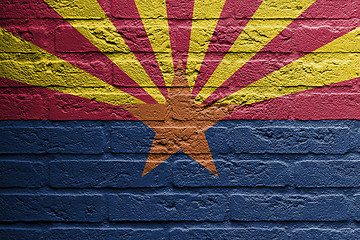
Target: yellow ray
[
  {"x": 92, "y": 22},
  {"x": 335, "y": 62},
  {"x": 205, "y": 18},
  {"x": 269, "y": 20},
  {"x": 154, "y": 17},
  {"x": 53, "y": 73}
]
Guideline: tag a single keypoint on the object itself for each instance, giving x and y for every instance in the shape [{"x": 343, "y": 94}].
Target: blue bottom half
[{"x": 277, "y": 180}]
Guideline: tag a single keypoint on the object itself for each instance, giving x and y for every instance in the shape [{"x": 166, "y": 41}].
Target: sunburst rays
[
  {"x": 124, "y": 57},
  {"x": 205, "y": 18},
  {"x": 154, "y": 17},
  {"x": 260, "y": 30},
  {"x": 297, "y": 76},
  {"x": 267, "y": 22}
]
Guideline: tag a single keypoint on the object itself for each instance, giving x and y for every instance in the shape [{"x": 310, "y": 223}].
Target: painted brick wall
[
  {"x": 79, "y": 180},
  {"x": 278, "y": 179}
]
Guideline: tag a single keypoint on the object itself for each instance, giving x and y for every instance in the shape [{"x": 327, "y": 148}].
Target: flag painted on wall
[{"x": 179, "y": 66}]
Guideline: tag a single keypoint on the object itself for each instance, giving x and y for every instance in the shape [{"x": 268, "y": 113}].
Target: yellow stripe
[
  {"x": 92, "y": 22},
  {"x": 335, "y": 62},
  {"x": 154, "y": 17},
  {"x": 205, "y": 18},
  {"x": 33, "y": 65},
  {"x": 269, "y": 20}
]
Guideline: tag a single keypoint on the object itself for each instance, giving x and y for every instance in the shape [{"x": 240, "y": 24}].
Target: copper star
[{"x": 180, "y": 124}]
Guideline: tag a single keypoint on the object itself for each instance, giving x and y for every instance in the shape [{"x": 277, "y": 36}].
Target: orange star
[{"x": 180, "y": 124}]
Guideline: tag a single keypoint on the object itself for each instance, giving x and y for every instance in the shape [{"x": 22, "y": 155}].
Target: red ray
[
  {"x": 180, "y": 13},
  {"x": 66, "y": 43},
  {"x": 125, "y": 17},
  {"x": 299, "y": 38},
  {"x": 234, "y": 17},
  {"x": 20, "y": 101}
]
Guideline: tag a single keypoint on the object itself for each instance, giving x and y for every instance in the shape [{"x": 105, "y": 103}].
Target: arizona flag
[{"x": 126, "y": 111}]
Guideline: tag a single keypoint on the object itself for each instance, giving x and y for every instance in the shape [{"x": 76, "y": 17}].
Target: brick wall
[
  {"x": 81, "y": 180},
  {"x": 278, "y": 179}
]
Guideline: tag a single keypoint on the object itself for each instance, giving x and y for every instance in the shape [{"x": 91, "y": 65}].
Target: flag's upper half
[{"x": 280, "y": 59}]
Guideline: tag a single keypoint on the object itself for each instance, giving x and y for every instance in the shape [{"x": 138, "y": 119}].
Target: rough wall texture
[
  {"x": 277, "y": 180},
  {"x": 78, "y": 179}
]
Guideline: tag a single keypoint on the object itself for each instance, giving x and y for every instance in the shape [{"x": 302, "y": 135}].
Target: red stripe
[
  {"x": 68, "y": 44},
  {"x": 336, "y": 101},
  {"x": 294, "y": 42},
  {"x": 19, "y": 101},
  {"x": 180, "y": 13}
]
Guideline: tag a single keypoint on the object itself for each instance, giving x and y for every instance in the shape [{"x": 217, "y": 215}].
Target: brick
[
  {"x": 37, "y": 31},
  {"x": 108, "y": 40},
  {"x": 22, "y": 174},
  {"x": 320, "y": 234},
  {"x": 228, "y": 233},
  {"x": 357, "y": 207},
  {"x": 51, "y": 140},
  {"x": 247, "y": 8},
  {"x": 124, "y": 9},
  {"x": 66, "y": 38},
  {"x": 130, "y": 139},
  {"x": 213, "y": 135},
  {"x": 73, "y": 10},
  {"x": 22, "y": 106},
  {"x": 67, "y": 107},
  {"x": 105, "y": 233},
  {"x": 18, "y": 233},
  {"x": 231, "y": 173},
  {"x": 181, "y": 9},
  {"x": 356, "y": 234},
  {"x": 320, "y": 174},
  {"x": 323, "y": 140},
  {"x": 22, "y": 46},
  {"x": 25, "y": 9},
  {"x": 206, "y": 35},
  {"x": 136, "y": 38},
  {"x": 100, "y": 174},
  {"x": 57, "y": 74},
  {"x": 277, "y": 108},
  {"x": 329, "y": 9},
  {"x": 167, "y": 207},
  {"x": 356, "y": 5},
  {"x": 163, "y": 46},
  {"x": 312, "y": 30},
  {"x": 255, "y": 38},
  {"x": 322, "y": 105},
  {"x": 279, "y": 10},
  {"x": 314, "y": 70},
  {"x": 356, "y": 141},
  {"x": 289, "y": 208},
  {"x": 56, "y": 208}
]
